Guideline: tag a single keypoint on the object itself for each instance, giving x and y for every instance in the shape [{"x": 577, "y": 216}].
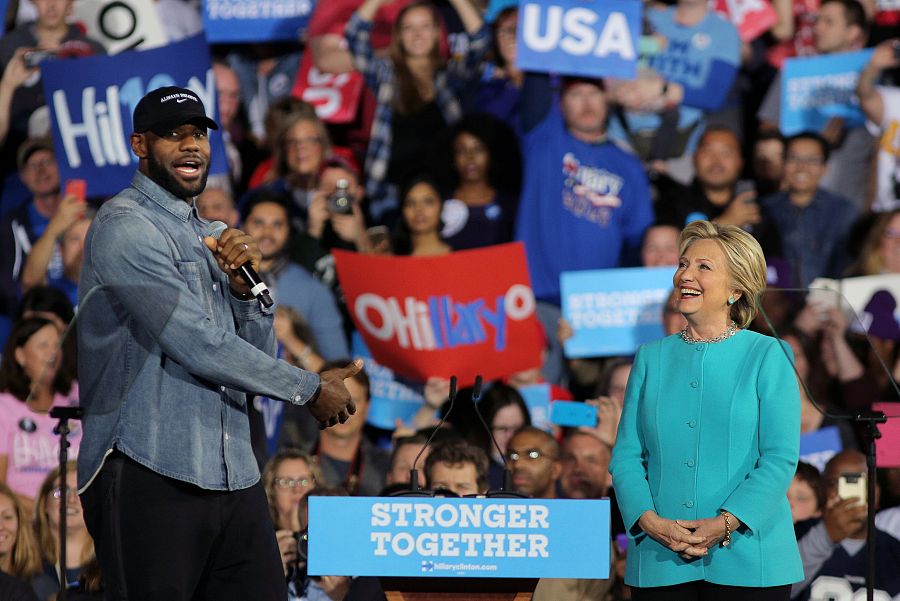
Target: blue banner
[
  {"x": 3, "y": 6},
  {"x": 813, "y": 90},
  {"x": 92, "y": 100},
  {"x": 537, "y": 399},
  {"x": 818, "y": 447},
  {"x": 613, "y": 311},
  {"x": 390, "y": 399},
  {"x": 591, "y": 38},
  {"x": 244, "y": 21},
  {"x": 465, "y": 538}
]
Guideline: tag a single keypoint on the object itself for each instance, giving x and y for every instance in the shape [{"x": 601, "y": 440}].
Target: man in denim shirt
[{"x": 171, "y": 341}]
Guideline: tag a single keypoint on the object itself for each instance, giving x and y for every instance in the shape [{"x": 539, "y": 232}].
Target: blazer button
[
  {"x": 689, "y": 463},
  {"x": 699, "y": 347},
  {"x": 692, "y": 424},
  {"x": 689, "y": 504},
  {"x": 694, "y": 383}
]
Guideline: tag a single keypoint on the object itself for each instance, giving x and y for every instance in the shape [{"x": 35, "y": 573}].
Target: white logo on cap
[{"x": 178, "y": 97}]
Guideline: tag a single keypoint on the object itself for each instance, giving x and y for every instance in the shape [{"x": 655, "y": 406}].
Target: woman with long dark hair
[
  {"x": 418, "y": 233},
  {"x": 416, "y": 89}
]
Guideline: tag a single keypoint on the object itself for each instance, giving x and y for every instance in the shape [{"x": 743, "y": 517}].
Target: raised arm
[
  {"x": 469, "y": 15},
  {"x": 870, "y": 100},
  {"x": 70, "y": 210}
]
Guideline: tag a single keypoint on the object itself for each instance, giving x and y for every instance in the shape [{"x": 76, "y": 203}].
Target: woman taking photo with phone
[{"x": 709, "y": 438}]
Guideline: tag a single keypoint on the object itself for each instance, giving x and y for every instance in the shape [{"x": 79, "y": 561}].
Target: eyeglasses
[
  {"x": 293, "y": 483},
  {"x": 291, "y": 143},
  {"x": 892, "y": 234},
  {"x": 506, "y": 429},
  {"x": 57, "y": 493},
  {"x": 38, "y": 164},
  {"x": 530, "y": 454},
  {"x": 805, "y": 161}
]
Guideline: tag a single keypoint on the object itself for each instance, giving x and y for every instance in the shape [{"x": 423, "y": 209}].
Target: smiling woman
[{"x": 718, "y": 525}]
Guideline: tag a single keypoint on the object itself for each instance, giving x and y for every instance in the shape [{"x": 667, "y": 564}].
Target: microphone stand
[
  {"x": 871, "y": 434},
  {"x": 414, "y": 489},
  {"x": 506, "y": 490},
  {"x": 63, "y": 414}
]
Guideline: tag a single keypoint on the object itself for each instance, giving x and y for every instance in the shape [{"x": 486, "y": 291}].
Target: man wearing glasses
[
  {"x": 533, "y": 457},
  {"x": 812, "y": 222}
]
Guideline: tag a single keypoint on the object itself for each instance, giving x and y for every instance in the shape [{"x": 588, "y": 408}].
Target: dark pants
[
  {"x": 160, "y": 539},
  {"x": 700, "y": 590}
]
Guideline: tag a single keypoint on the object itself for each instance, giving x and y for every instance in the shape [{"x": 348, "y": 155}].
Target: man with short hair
[
  {"x": 228, "y": 95},
  {"x": 266, "y": 217},
  {"x": 585, "y": 466},
  {"x": 170, "y": 344},
  {"x": 406, "y": 448},
  {"x": 834, "y": 549},
  {"x": 459, "y": 467},
  {"x": 841, "y": 26},
  {"x": 585, "y": 202},
  {"x": 533, "y": 457},
  {"x": 813, "y": 223}
]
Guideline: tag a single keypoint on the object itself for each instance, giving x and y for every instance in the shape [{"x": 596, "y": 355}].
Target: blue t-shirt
[{"x": 581, "y": 204}]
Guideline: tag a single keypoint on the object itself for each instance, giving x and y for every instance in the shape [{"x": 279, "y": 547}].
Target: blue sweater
[{"x": 708, "y": 427}]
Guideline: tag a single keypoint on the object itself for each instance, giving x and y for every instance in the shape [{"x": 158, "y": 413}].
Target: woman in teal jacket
[{"x": 709, "y": 438}]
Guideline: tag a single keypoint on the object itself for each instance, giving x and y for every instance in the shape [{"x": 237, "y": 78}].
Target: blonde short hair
[{"x": 746, "y": 263}]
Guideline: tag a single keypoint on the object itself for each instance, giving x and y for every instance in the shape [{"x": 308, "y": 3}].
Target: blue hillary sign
[
  {"x": 245, "y": 21},
  {"x": 390, "y": 399},
  {"x": 818, "y": 447},
  {"x": 613, "y": 311},
  {"x": 590, "y": 38},
  {"x": 465, "y": 538},
  {"x": 3, "y": 5},
  {"x": 92, "y": 100},
  {"x": 813, "y": 90}
]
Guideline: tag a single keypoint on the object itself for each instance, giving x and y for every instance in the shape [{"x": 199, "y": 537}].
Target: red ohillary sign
[{"x": 466, "y": 313}]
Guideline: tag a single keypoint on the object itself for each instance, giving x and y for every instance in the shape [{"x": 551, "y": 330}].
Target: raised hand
[{"x": 334, "y": 405}]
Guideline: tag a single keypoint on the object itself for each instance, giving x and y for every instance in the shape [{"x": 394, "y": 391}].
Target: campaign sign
[
  {"x": 335, "y": 97},
  {"x": 121, "y": 25},
  {"x": 92, "y": 101},
  {"x": 537, "y": 399},
  {"x": 389, "y": 398},
  {"x": 816, "y": 448},
  {"x": 751, "y": 17},
  {"x": 613, "y": 311},
  {"x": 467, "y": 313},
  {"x": 459, "y": 538},
  {"x": 815, "y": 89},
  {"x": 591, "y": 38},
  {"x": 3, "y": 5},
  {"x": 243, "y": 21},
  {"x": 887, "y": 453}
]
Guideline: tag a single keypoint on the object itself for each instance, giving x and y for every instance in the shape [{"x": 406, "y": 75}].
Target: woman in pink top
[{"x": 31, "y": 366}]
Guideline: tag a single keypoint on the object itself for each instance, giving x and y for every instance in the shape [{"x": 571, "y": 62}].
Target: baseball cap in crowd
[
  {"x": 31, "y": 146},
  {"x": 165, "y": 109}
]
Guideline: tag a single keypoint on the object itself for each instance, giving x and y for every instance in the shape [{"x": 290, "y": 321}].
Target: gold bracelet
[{"x": 727, "y": 540}]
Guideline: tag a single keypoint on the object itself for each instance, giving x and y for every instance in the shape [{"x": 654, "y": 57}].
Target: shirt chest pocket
[{"x": 193, "y": 274}]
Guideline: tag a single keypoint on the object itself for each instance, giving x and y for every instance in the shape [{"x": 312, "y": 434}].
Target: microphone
[
  {"x": 505, "y": 491},
  {"x": 414, "y": 473},
  {"x": 258, "y": 288}
]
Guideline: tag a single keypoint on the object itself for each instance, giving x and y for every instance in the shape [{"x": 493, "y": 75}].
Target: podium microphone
[
  {"x": 414, "y": 473},
  {"x": 506, "y": 489}
]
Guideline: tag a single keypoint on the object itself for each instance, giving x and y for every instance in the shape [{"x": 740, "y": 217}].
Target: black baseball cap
[{"x": 164, "y": 109}]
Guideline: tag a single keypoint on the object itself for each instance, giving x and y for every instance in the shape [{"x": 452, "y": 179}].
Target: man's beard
[{"x": 162, "y": 176}]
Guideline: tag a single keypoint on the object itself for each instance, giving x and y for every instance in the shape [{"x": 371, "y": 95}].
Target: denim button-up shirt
[{"x": 166, "y": 354}]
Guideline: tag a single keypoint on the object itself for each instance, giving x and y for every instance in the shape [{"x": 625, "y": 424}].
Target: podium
[{"x": 449, "y": 549}]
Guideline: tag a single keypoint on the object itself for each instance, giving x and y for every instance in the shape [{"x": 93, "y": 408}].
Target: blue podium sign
[
  {"x": 613, "y": 311},
  {"x": 458, "y": 538}
]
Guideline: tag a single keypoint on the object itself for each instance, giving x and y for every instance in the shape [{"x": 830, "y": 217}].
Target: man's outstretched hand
[{"x": 334, "y": 405}]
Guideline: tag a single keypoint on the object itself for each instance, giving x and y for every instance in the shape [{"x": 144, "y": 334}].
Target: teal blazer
[{"x": 707, "y": 427}]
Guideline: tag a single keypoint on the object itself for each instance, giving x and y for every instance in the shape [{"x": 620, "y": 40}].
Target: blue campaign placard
[
  {"x": 461, "y": 538},
  {"x": 613, "y": 311},
  {"x": 591, "y": 38},
  {"x": 537, "y": 399},
  {"x": 818, "y": 447},
  {"x": 3, "y": 5},
  {"x": 390, "y": 399},
  {"x": 92, "y": 101},
  {"x": 246, "y": 21},
  {"x": 815, "y": 89}
]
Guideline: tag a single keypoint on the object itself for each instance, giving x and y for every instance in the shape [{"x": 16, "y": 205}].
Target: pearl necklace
[{"x": 730, "y": 331}]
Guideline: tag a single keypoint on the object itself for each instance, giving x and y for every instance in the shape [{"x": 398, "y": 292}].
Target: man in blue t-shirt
[{"x": 585, "y": 202}]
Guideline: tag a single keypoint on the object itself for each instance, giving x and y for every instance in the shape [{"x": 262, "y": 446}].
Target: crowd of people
[{"x": 454, "y": 148}]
